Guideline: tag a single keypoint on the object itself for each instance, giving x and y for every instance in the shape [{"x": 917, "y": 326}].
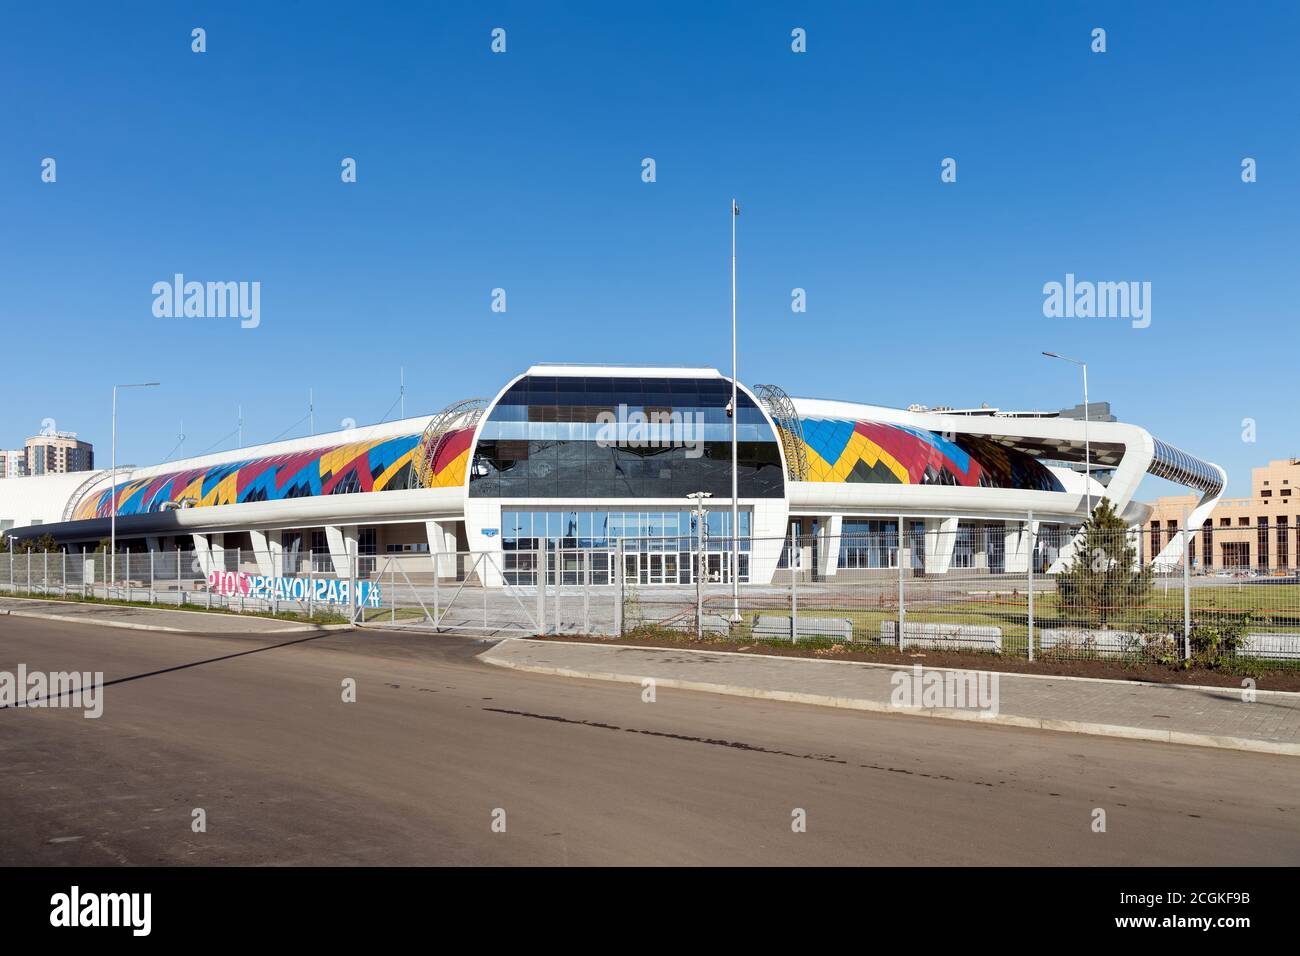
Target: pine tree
[{"x": 1105, "y": 577}]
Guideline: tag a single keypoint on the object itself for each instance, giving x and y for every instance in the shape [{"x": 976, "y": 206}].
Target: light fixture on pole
[
  {"x": 112, "y": 486},
  {"x": 698, "y": 497},
  {"x": 733, "y": 410},
  {"x": 1087, "y": 447}
]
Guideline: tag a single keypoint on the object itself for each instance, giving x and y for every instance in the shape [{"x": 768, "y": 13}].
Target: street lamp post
[
  {"x": 735, "y": 415},
  {"x": 698, "y": 497},
  {"x": 112, "y": 487},
  {"x": 1087, "y": 447}
]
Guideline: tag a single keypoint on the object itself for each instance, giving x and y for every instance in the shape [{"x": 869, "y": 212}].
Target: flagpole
[{"x": 735, "y": 415}]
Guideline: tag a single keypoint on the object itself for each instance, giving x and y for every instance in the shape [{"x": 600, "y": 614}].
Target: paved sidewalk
[
  {"x": 149, "y": 619},
  {"x": 1201, "y": 716}
]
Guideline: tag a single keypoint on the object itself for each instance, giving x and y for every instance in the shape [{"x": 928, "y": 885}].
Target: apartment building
[
  {"x": 58, "y": 453},
  {"x": 1257, "y": 533}
]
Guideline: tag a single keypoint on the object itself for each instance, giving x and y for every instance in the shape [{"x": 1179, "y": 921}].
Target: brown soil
[{"x": 1111, "y": 670}]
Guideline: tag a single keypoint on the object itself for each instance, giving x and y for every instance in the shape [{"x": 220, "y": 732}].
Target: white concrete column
[
  {"x": 769, "y": 528},
  {"x": 268, "y": 552},
  {"x": 1015, "y": 558},
  {"x": 940, "y": 540},
  {"x": 480, "y": 514},
  {"x": 203, "y": 553},
  {"x": 342, "y": 541},
  {"x": 828, "y": 545},
  {"x": 275, "y": 541},
  {"x": 1065, "y": 556},
  {"x": 217, "y": 549},
  {"x": 152, "y": 542},
  {"x": 442, "y": 547},
  {"x": 981, "y": 561}
]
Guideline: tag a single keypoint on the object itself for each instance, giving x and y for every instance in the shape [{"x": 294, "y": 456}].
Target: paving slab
[
  {"x": 149, "y": 619},
  {"x": 1201, "y": 716}
]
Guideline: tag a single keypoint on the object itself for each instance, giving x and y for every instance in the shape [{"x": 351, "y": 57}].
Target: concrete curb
[
  {"x": 72, "y": 619},
  {"x": 131, "y": 626},
  {"x": 857, "y": 703},
  {"x": 929, "y": 667}
]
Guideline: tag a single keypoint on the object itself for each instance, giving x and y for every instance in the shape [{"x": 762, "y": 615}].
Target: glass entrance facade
[
  {"x": 659, "y": 547},
  {"x": 614, "y": 437}
]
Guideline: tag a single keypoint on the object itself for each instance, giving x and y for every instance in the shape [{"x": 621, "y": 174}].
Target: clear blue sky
[{"x": 523, "y": 171}]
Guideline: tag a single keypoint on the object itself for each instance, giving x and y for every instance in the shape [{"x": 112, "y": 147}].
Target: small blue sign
[{"x": 491, "y": 532}]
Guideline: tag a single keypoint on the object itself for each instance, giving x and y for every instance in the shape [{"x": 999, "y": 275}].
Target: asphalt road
[{"x": 585, "y": 772}]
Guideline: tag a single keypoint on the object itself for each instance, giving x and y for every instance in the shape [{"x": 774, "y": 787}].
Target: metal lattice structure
[
  {"x": 95, "y": 477},
  {"x": 782, "y": 410},
  {"x": 457, "y": 416}
]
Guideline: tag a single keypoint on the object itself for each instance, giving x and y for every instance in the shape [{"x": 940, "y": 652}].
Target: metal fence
[
  {"x": 240, "y": 581},
  {"x": 1009, "y": 588},
  {"x": 488, "y": 592}
]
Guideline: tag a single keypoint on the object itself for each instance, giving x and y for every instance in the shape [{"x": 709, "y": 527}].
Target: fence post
[
  {"x": 63, "y": 575},
  {"x": 1187, "y": 594},
  {"x": 437, "y": 569},
  {"x": 353, "y": 570},
  {"x": 559, "y": 580},
  {"x": 794, "y": 589},
  {"x": 902, "y": 613},
  {"x": 586, "y": 591},
  {"x": 180, "y": 591},
  {"x": 45, "y": 572},
  {"x": 311, "y": 583},
  {"x": 539, "y": 575},
  {"x": 1030, "y": 545},
  {"x": 700, "y": 571},
  {"x": 392, "y": 588},
  {"x": 618, "y": 590}
]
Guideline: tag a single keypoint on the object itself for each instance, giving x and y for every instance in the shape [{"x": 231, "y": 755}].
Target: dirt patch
[{"x": 1110, "y": 670}]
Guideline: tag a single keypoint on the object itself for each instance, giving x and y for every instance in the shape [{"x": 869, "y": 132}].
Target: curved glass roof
[{"x": 1178, "y": 466}]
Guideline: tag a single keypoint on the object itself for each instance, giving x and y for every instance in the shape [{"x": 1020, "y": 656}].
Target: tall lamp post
[
  {"x": 112, "y": 486},
  {"x": 1087, "y": 447},
  {"x": 700, "y": 514},
  {"x": 734, "y": 411}
]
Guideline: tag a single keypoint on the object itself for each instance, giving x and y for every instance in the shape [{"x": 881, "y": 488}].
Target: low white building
[{"x": 600, "y": 460}]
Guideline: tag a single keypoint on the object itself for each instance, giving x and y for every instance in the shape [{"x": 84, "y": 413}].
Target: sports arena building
[{"x": 581, "y": 457}]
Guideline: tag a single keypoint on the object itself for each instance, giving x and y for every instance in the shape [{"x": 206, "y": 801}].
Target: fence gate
[{"x": 507, "y": 607}]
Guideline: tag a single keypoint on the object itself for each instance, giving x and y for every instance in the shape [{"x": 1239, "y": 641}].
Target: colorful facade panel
[
  {"x": 376, "y": 465},
  {"x": 450, "y": 458},
  {"x": 843, "y": 450}
]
